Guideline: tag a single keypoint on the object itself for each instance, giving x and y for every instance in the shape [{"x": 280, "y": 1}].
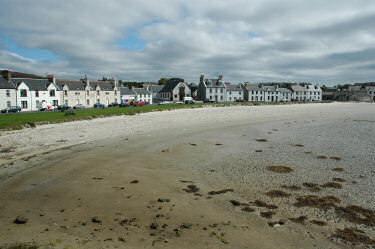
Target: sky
[{"x": 323, "y": 42}]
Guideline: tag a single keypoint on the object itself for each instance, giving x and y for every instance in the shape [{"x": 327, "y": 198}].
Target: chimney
[
  {"x": 7, "y": 75},
  {"x": 221, "y": 77},
  {"x": 202, "y": 78},
  {"x": 51, "y": 78}
]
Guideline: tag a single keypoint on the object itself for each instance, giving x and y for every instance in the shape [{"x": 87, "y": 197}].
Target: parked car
[
  {"x": 164, "y": 103},
  {"x": 11, "y": 109},
  {"x": 190, "y": 101},
  {"x": 208, "y": 101},
  {"x": 79, "y": 106},
  {"x": 124, "y": 105},
  {"x": 63, "y": 107},
  {"x": 178, "y": 102},
  {"x": 240, "y": 100},
  {"x": 98, "y": 105},
  {"x": 135, "y": 103},
  {"x": 114, "y": 104}
]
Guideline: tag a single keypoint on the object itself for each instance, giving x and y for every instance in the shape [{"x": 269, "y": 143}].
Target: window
[
  {"x": 221, "y": 97},
  {"x": 36, "y": 93},
  {"x": 216, "y": 90},
  {"x": 230, "y": 98},
  {"x": 88, "y": 102},
  {"x": 115, "y": 100},
  {"x": 52, "y": 93},
  {"x": 210, "y": 97},
  {"x": 115, "y": 92},
  {"x": 55, "y": 103},
  {"x": 230, "y": 93},
  {"x": 8, "y": 93},
  {"x": 98, "y": 101},
  {"x": 23, "y": 104},
  {"x": 88, "y": 92},
  {"x": 210, "y": 90},
  {"x": 106, "y": 93},
  {"x": 97, "y": 92},
  {"x": 37, "y": 102},
  {"x": 66, "y": 102},
  {"x": 8, "y": 104},
  {"x": 221, "y": 90},
  {"x": 66, "y": 92},
  {"x": 76, "y": 93},
  {"x": 23, "y": 93},
  {"x": 256, "y": 92}
]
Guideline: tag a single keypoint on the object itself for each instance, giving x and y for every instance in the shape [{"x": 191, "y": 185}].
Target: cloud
[{"x": 318, "y": 41}]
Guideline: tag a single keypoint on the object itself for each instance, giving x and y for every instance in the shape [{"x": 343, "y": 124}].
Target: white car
[{"x": 164, "y": 103}]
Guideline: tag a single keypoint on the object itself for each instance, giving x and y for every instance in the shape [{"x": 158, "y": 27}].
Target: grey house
[{"x": 212, "y": 89}]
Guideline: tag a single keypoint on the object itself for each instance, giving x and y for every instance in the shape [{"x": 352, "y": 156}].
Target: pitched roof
[
  {"x": 253, "y": 87},
  {"x": 284, "y": 90},
  {"x": 33, "y": 84},
  {"x": 126, "y": 91},
  {"x": 233, "y": 87},
  {"x": 298, "y": 89},
  {"x": 71, "y": 84},
  {"x": 4, "y": 84},
  {"x": 104, "y": 85},
  {"x": 156, "y": 89},
  {"x": 141, "y": 91},
  {"x": 269, "y": 88},
  {"x": 171, "y": 84},
  {"x": 214, "y": 83}
]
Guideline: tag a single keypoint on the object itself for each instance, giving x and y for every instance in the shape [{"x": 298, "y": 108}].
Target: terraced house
[
  {"x": 212, "y": 89},
  {"x": 88, "y": 92}
]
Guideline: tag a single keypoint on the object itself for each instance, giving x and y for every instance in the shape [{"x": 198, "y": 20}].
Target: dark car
[
  {"x": 124, "y": 105},
  {"x": 98, "y": 105},
  {"x": 240, "y": 100},
  {"x": 63, "y": 107},
  {"x": 11, "y": 109},
  {"x": 114, "y": 104},
  {"x": 190, "y": 101},
  {"x": 79, "y": 106},
  {"x": 208, "y": 101}
]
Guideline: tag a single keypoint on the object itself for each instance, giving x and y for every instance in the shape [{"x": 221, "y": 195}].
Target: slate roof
[
  {"x": 298, "y": 89},
  {"x": 33, "y": 84},
  {"x": 269, "y": 88},
  {"x": 214, "y": 83},
  {"x": 4, "y": 84},
  {"x": 169, "y": 86},
  {"x": 156, "y": 89},
  {"x": 139, "y": 91},
  {"x": 104, "y": 85},
  {"x": 233, "y": 87},
  {"x": 284, "y": 90},
  {"x": 126, "y": 91},
  {"x": 71, "y": 84},
  {"x": 253, "y": 87}
]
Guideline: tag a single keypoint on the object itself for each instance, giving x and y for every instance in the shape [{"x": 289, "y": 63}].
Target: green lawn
[{"x": 18, "y": 121}]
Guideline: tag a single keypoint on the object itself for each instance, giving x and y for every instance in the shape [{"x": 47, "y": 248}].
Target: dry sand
[{"x": 61, "y": 176}]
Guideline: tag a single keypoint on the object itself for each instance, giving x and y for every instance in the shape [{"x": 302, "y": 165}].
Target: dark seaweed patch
[
  {"x": 300, "y": 220},
  {"x": 291, "y": 187},
  {"x": 277, "y": 193},
  {"x": 332, "y": 185},
  {"x": 354, "y": 236},
  {"x": 325, "y": 202},
  {"x": 280, "y": 169}
]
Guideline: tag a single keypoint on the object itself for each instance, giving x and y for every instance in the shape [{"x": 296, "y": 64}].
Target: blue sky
[{"x": 246, "y": 41}]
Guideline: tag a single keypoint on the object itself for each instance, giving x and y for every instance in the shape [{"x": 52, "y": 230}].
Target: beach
[{"x": 279, "y": 176}]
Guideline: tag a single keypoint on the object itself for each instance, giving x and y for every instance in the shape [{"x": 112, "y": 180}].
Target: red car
[{"x": 138, "y": 103}]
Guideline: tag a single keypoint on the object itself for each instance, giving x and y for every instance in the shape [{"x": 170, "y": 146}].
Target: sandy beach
[{"x": 194, "y": 178}]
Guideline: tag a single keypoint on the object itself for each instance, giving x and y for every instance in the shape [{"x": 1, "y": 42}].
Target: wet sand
[{"x": 108, "y": 184}]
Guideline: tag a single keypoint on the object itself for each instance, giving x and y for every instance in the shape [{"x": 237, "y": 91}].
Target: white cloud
[{"x": 318, "y": 41}]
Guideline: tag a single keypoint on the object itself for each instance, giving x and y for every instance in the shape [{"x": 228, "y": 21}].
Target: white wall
[
  {"x": 4, "y": 98},
  {"x": 232, "y": 96}
]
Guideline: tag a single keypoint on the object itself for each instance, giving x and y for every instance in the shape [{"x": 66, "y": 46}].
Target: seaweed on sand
[
  {"x": 324, "y": 203},
  {"x": 280, "y": 169},
  {"x": 354, "y": 236},
  {"x": 277, "y": 193}
]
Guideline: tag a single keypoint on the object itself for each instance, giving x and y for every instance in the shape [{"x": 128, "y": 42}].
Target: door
[{"x": 181, "y": 92}]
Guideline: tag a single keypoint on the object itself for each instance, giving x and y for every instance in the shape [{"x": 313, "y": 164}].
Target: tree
[{"x": 163, "y": 81}]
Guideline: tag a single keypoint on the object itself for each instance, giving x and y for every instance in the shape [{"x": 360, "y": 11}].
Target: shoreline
[{"x": 211, "y": 148}]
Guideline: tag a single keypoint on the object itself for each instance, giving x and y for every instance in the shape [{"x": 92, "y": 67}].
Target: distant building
[
  {"x": 371, "y": 91},
  {"x": 142, "y": 95},
  {"x": 253, "y": 92},
  {"x": 155, "y": 90},
  {"x": 212, "y": 89},
  {"x": 233, "y": 92},
  {"x": 175, "y": 90},
  {"x": 127, "y": 95}
]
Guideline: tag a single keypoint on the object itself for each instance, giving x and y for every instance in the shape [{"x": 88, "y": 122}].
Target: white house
[
  {"x": 270, "y": 94},
  {"x": 212, "y": 89},
  {"x": 175, "y": 90},
  {"x": 127, "y": 95},
  {"x": 7, "y": 93},
  {"x": 143, "y": 95},
  {"x": 299, "y": 93},
  {"x": 314, "y": 93},
  {"x": 233, "y": 92},
  {"x": 31, "y": 93},
  {"x": 253, "y": 92},
  {"x": 285, "y": 94}
]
